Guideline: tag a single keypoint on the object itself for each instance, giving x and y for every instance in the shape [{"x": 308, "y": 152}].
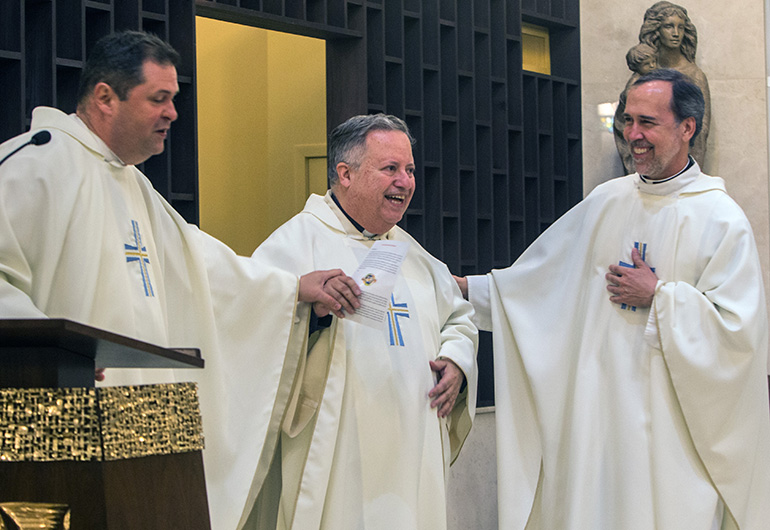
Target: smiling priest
[
  {"x": 379, "y": 412},
  {"x": 644, "y": 408}
]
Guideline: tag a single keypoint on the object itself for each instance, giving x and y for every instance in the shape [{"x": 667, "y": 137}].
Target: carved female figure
[{"x": 668, "y": 29}]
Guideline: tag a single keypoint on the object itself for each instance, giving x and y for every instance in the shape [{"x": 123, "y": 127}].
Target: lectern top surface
[{"x": 109, "y": 350}]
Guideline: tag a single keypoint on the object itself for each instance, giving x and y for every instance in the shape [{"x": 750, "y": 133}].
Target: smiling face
[
  {"x": 139, "y": 125},
  {"x": 658, "y": 143},
  {"x": 671, "y": 31},
  {"x": 377, "y": 192}
]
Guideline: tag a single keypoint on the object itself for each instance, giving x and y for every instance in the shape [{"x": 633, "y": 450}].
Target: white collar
[
  {"x": 671, "y": 185},
  {"x": 688, "y": 164}
]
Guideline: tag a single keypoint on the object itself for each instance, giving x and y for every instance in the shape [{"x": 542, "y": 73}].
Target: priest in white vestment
[
  {"x": 84, "y": 236},
  {"x": 371, "y": 434},
  {"x": 645, "y": 408}
]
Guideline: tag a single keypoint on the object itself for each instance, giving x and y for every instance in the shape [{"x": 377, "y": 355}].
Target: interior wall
[
  {"x": 731, "y": 55},
  {"x": 261, "y": 94},
  {"x": 296, "y": 116},
  {"x": 231, "y": 150}
]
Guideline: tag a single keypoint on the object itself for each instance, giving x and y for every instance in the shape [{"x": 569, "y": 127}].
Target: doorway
[{"x": 261, "y": 99}]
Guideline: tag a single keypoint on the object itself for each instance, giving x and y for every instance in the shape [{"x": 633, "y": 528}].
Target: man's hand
[
  {"x": 450, "y": 380},
  {"x": 633, "y": 287},
  {"x": 99, "y": 374},
  {"x": 344, "y": 290},
  {"x": 462, "y": 283},
  {"x": 330, "y": 292}
]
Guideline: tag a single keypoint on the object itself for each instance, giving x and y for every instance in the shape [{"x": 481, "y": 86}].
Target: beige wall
[
  {"x": 731, "y": 53},
  {"x": 261, "y": 104},
  {"x": 472, "y": 491}
]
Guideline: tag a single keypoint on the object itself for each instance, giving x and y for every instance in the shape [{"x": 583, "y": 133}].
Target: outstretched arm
[{"x": 462, "y": 283}]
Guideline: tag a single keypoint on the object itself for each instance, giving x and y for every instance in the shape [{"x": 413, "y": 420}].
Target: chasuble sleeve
[
  {"x": 35, "y": 209},
  {"x": 244, "y": 316},
  {"x": 459, "y": 342},
  {"x": 478, "y": 295},
  {"x": 15, "y": 269},
  {"x": 459, "y": 336},
  {"x": 713, "y": 336},
  {"x": 310, "y": 381}
]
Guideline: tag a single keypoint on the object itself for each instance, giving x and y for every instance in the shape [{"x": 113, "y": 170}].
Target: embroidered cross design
[
  {"x": 642, "y": 248},
  {"x": 394, "y": 327},
  {"x": 138, "y": 253}
]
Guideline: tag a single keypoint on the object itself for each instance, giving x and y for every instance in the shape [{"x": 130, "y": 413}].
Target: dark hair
[
  {"x": 686, "y": 98},
  {"x": 117, "y": 59},
  {"x": 347, "y": 140}
]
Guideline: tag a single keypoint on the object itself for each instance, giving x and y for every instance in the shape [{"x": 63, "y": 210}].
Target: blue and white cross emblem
[
  {"x": 138, "y": 253},
  {"x": 394, "y": 327}
]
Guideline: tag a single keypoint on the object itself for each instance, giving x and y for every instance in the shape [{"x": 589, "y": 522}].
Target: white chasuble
[
  {"x": 370, "y": 452},
  {"x": 616, "y": 417},
  {"x": 87, "y": 238}
]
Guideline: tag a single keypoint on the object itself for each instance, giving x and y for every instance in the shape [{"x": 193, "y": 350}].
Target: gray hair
[
  {"x": 348, "y": 140},
  {"x": 686, "y": 99}
]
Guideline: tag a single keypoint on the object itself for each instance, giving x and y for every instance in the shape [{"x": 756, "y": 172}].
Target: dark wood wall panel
[{"x": 498, "y": 151}]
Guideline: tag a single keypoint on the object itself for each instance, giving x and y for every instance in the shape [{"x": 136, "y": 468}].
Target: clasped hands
[
  {"x": 330, "y": 291},
  {"x": 632, "y": 286}
]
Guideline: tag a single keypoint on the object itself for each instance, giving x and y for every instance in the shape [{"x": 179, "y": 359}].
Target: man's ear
[
  {"x": 343, "y": 174},
  {"x": 104, "y": 98},
  {"x": 688, "y": 128}
]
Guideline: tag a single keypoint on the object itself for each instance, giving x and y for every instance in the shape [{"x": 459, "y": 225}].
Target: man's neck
[
  {"x": 690, "y": 162},
  {"x": 355, "y": 223},
  {"x": 85, "y": 119}
]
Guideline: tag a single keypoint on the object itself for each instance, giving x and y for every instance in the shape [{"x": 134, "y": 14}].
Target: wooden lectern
[{"x": 117, "y": 457}]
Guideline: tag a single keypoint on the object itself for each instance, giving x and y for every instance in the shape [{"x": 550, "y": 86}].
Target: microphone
[{"x": 39, "y": 138}]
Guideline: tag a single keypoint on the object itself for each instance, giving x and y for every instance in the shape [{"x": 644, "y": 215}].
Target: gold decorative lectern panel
[{"x": 111, "y": 423}]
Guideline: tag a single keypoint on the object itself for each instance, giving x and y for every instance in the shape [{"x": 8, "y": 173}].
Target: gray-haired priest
[{"x": 373, "y": 433}]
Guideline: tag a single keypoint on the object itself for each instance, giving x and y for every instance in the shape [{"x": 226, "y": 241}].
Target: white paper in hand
[{"x": 376, "y": 276}]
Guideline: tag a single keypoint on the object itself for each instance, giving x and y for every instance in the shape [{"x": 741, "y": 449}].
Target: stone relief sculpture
[{"x": 667, "y": 39}]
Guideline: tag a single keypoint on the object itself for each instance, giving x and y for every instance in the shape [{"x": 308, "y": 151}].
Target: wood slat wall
[{"x": 498, "y": 151}]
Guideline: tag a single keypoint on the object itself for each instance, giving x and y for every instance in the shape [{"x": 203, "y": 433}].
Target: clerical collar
[
  {"x": 360, "y": 228},
  {"x": 690, "y": 162}
]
